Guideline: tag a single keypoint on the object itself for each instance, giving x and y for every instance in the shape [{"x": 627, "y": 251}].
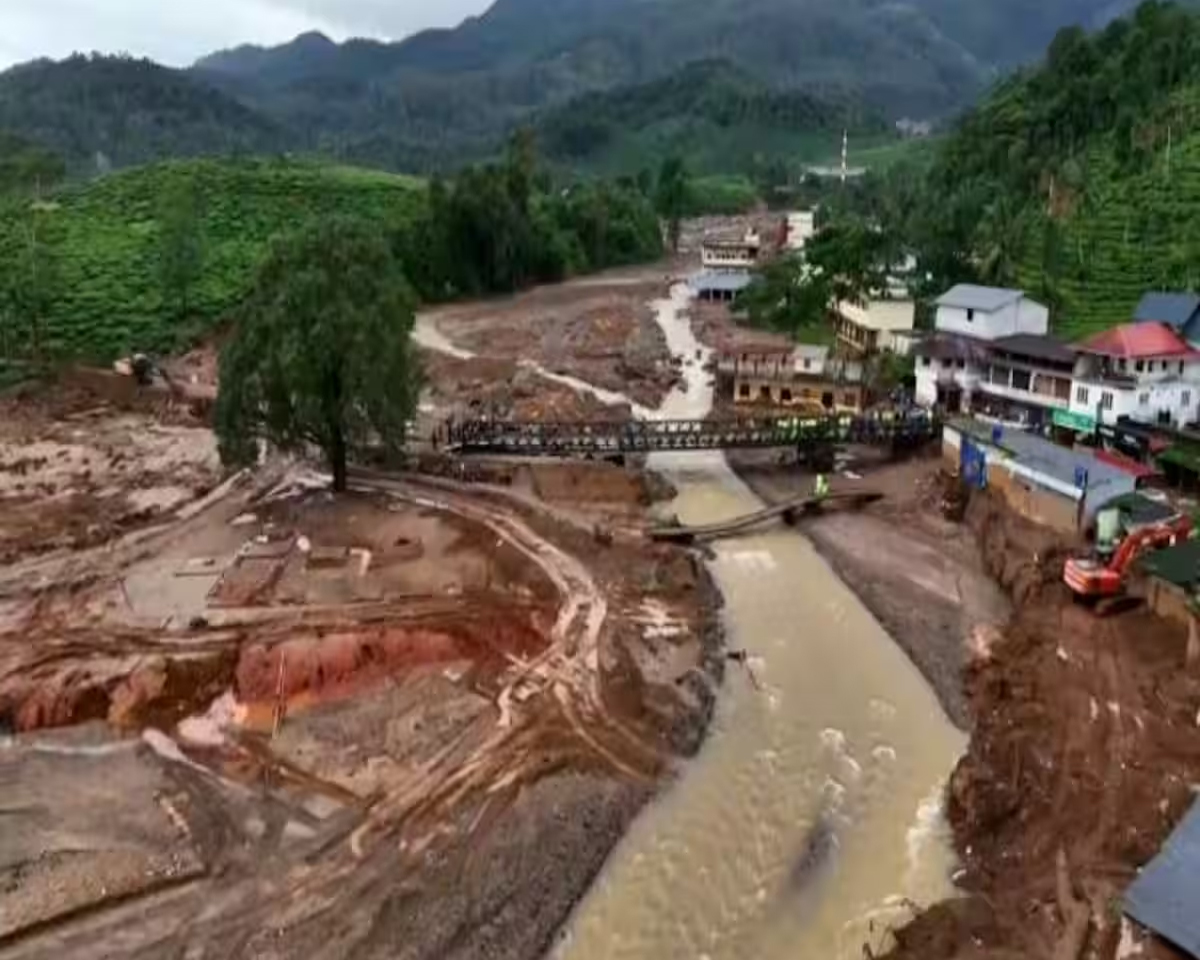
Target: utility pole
[{"x": 845, "y": 153}]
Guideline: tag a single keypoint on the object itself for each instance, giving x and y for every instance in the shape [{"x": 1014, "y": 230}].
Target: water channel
[
  {"x": 813, "y": 813},
  {"x": 811, "y": 820}
]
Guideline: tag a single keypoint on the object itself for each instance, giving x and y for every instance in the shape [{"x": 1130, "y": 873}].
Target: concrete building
[
  {"x": 868, "y": 328},
  {"x": 990, "y": 348},
  {"x": 737, "y": 254},
  {"x": 988, "y": 313},
  {"x": 1051, "y": 484},
  {"x": 788, "y": 376},
  {"x": 1144, "y": 371}
]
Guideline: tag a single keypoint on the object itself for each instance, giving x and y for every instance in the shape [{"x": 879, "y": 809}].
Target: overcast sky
[{"x": 176, "y": 32}]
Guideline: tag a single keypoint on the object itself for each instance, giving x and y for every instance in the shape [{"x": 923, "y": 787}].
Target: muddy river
[
  {"x": 812, "y": 817},
  {"x": 811, "y": 821}
]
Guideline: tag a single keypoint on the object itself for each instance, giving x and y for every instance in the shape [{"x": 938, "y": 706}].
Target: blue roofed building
[{"x": 1180, "y": 311}]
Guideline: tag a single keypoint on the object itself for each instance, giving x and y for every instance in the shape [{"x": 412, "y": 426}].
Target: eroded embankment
[{"x": 1084, "y": 750}]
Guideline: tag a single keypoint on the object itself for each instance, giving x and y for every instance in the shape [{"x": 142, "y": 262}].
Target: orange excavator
[{"x": 1101, "y": 577}]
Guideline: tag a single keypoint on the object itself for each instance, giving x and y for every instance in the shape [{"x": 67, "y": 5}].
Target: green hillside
[
  {"x": 713, "y": 113},
  {"x": 1080, "y": 180},
  {"x": 103, "y": 251}
]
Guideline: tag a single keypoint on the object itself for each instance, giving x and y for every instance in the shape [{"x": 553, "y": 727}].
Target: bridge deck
[
  {"x": 788, "y": 510},
  {"x": 615, "y": 437}
]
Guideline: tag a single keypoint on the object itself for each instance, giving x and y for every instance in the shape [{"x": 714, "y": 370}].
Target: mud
[
  {"x": 410, "y": 721},
  {"x": 598, "y": 330},
  {"x": 1084, "y": 751}
]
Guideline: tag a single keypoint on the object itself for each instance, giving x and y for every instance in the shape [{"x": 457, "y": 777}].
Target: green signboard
[{"x": 1079, "y": 422}]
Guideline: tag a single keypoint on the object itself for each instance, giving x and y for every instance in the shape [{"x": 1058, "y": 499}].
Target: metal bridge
[{"x": 610, "y": 438}]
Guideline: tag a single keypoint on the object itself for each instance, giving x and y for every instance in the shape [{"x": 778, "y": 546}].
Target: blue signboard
[{"x": 973, "y": 465}]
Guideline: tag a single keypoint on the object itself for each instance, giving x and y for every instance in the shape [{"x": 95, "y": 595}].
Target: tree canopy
[{"x": 321, "y": 355}]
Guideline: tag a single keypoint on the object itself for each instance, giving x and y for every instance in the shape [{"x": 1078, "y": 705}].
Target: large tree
[{"x": 321, "y": 356}]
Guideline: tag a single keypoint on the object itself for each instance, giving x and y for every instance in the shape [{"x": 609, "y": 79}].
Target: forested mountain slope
[{"x": 1080, "y": 180}]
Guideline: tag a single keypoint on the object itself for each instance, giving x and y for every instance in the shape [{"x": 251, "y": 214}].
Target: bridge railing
[{"x": 613, "y": 437}]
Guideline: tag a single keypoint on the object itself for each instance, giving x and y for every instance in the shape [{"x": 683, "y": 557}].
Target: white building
[
  {"x": 988, "y": 313},
  {"x": 1144, "y": 371},
  {"x": 736, "y": 254}
]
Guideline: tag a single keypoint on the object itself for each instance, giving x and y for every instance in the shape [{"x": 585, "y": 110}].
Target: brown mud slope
[{"x": 1083, "y": 758}]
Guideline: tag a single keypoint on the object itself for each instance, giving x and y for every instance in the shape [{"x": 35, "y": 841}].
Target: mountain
[
  {"x": 127, "y": 111},
  {"x": 918, "y": 57},
  {"x": 445, "y": 97}
]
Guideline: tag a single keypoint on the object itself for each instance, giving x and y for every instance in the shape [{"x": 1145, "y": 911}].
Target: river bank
[{"x": 1084, "y": 740}]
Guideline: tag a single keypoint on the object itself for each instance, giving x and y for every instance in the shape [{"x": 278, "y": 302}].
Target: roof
[
  {"x": 725, "y": 282},
  {"x": 1179, "y": 565},
  {"x": 1037, "y": 347},
  {"x": 1137, "y": 340},
  {"x": 971, "y": 297},
  {"x": 1128, "y": 464},
  {"x": 1174, "y": 309},
  {"x": 1166, "y": 892},
  {"x": 952, "y": 346},
  {"x": 1057, "y": 462}
]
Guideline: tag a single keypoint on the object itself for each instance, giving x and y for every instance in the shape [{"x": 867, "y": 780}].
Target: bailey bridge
[{"x": 611, "y": 438}]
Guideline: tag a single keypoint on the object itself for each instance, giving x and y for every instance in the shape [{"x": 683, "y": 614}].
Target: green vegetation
[
  {"x": 150, "y": 259},
  {"x": 721, "y": 195},
  {"x": 720, "y": 117},
  {"x": 502, "y": 226},
  {"x": 616, "y": 85},
  {"x": 106, "y": 241},
  {"x": 26, "y": 168},
  {"x": 101, "y": 112},
  {"x": 1080, "y": 180},
  {"x": 846, "y": 260},
  {"x": 671, "y": 196},
  {"x": 320, "y": 355}
]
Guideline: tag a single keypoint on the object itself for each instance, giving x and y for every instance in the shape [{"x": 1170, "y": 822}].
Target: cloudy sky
[{"x": 176, "y": 32}]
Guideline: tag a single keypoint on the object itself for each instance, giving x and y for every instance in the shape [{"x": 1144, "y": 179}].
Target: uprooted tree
[{"x": 320, "y": 356}]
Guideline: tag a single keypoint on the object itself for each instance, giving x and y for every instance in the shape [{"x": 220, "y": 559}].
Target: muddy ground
[
  {"x": 411, "y": 721},
  {"x": 1084, "y": 740},
  {"x": 599, "y": 329}
]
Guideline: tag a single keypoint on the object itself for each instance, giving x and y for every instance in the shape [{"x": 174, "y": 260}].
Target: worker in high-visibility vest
[{"x": 821, "y": 487}]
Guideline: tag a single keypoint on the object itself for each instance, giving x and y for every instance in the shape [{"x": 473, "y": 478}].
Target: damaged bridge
[{"x": 807, "y": 434}]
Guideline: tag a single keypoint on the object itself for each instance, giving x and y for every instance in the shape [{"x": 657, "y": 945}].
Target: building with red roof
[{"x": 1146, "y": 371}]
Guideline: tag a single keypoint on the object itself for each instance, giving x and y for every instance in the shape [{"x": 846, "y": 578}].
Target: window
[
  {"x": 1081, "y": 394},
  {"x": 1140, "y": 367},
  {"x": 1021, "y": 379},
  {"x": 961, "y": 364},
  {"x": 807, "y": 363},
  {"x": 970, "y": 315},
  {"x": 1181, "y": 368},
  {"x": 786, "y": 395},
  {"x": 1122, "y": 364},
  {"x": 1106, "y": 400},
  {"x": 764, "y": 394},
  {"x": 947, "y": 363},
  {"x": 849, "y": 400},
  {"x": 1143, "y": 399},
  {"x": 925, "y": 361},
  {"x": 1185, "y": 398},
  {"x": 744, "y": 391}
]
